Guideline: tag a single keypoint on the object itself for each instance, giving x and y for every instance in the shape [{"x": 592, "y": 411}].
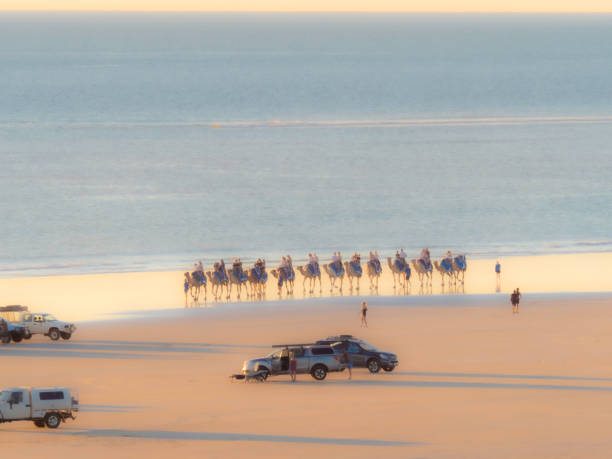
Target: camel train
[{"x": 254, "y": 280}]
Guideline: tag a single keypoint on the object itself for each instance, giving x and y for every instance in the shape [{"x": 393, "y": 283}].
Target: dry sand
[{"x": 474, "y": 381}]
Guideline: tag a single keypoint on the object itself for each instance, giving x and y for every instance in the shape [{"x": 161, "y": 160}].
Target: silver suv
[{"x": 314, "y": 359}]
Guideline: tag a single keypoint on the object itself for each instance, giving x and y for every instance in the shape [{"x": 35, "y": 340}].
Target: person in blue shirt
[{"x": 498, "y": 275}]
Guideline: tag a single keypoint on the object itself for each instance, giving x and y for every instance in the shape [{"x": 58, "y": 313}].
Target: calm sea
[{"x": 147, "y": 141}]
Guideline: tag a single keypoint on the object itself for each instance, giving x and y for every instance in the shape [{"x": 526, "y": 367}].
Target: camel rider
[
  {"x": 400, "y": 261},
  {"x": 447, "y": 261},
  {"x": 337, "y": 262},
  {"x": 375, "y": 262},
  {"x": 312, "y": 264},
  {"x": 425, "y": 259},
  {"x": 220, "y": 270}
]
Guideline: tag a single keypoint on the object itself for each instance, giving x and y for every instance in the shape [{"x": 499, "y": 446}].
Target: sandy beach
[
  {"x": 99, "y": 296},
  {"x": 474, "y": 381}
]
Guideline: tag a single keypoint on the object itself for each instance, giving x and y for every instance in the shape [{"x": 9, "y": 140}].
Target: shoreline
[
  {"x": 96, "y": 296},
  {"x": 166, "y": 263}
]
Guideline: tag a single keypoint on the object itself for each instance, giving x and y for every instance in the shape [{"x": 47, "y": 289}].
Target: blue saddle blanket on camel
[
  {"x": 337, "y": 268},
  {"x": 199, "y": 277},
  {"x": 314, "y": 269},
  {"x": 460, "y": 261},
  {"x": 376, "y": 265},
  {"x": 447, "y": 264},
  {"x": 357, "y": 268},
  {"x": 240, "y": 275},
  {"x": 260, "y": 274}
]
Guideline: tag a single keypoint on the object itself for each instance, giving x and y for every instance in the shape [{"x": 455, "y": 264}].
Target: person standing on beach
[
  {"x": 497, "y": 275},
  {"x": 186, "y": 287},
  {"x": 515, "y": 299},
  {"x": 346, "y": 358},
  {"x": 364, "y": 311},
  {"x": 292, "y": 366}
]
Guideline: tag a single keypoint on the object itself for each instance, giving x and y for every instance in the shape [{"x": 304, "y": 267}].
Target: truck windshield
[
  {"x": 4, "y": 396},
  {"x": 50, "y": 318}
]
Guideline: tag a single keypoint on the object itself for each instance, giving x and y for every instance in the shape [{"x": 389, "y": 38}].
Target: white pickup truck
[
  {"x": 46, "y": 324},
  {"x": 48, "y": 407}
]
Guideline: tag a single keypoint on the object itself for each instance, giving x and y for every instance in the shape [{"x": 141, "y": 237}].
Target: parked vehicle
[
  {"x": 16, "y": 332},
  {"x": 45, "y": 407},
  {"x": 314, "y": 359},
  {"x": 5, "y": 334},
  {"x": 362, "y": 354},
  {"x": 46, "y": 324}
]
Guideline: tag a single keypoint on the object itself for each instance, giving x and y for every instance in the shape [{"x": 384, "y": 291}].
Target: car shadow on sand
[
  {"x": 496, "y": 376},
  {"x": 220, "y": 436},
  {"x": 118, "y": 349},
  {"x": 380, "y": 382}
]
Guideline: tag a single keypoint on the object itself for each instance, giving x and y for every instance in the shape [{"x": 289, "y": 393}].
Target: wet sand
[{"x": 88, "y": 297}]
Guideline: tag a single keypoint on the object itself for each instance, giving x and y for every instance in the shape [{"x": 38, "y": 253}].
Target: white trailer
[{"x": 45, "y": 407}]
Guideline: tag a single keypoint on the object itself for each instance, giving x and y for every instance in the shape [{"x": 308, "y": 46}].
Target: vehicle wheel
[
  {"x": 54, "y": 334},
  {"x": 65, "y": 335},
  {"x": 39, "y": 423},
  {"x": 27, "y": 335},
  {"x": 388, "y": 368},
  {"x": 374, "y": 365},
  {"x": 319, "y": 372},
  {"x": 53, "y": 420},
  {"x": 16, "y": 336},
  {"x": 6, "y": 339}
]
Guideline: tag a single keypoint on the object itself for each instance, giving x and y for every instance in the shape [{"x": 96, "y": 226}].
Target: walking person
[
  {"x": 292, "y": 366},
  {"x": 514, "y": 301},
  {"x": 346, "y": 358},
  {"x": 186, "y": 288},
  {"x": 518, "y": 299},
  {"x": 364, "y": 311},
  {"x": 497, "y": 276}
]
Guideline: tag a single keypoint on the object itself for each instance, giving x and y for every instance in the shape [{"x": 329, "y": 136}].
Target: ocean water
[{"x": 148, "y": 141}]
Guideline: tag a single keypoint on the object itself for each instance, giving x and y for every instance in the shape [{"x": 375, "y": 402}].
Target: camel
[
  {"x": 288, "y": 281},
  {"x": 403, "y": 277},
  {"x": 459, "y": 267},
  {"x": 258, "y": 285},
  {"x": 218, "y": 284},
  {"x": 374, "y": 275},
  {"x": 307, "y": 274},
  {"x": 444, "y": 272},
  {"x": 238, "y": 280},
  {"x": 424, "y": 274},
  {"x": 194, "y": 288},
  {"x": 351, "y": 273},
  {"x": 333, "y": 276}
]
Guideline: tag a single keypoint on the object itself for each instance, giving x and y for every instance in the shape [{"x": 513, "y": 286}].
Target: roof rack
[
  {"x": 13, "y": 308},
  {"x": 342, "y": 337},
  {"x": 292, "y": 345}
]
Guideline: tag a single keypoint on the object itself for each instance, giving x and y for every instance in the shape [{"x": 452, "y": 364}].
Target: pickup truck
[
  {"x": 46, "y": 324},
  {"x": 45, "y": 407},
  {"x": 316, "y": 360}
]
